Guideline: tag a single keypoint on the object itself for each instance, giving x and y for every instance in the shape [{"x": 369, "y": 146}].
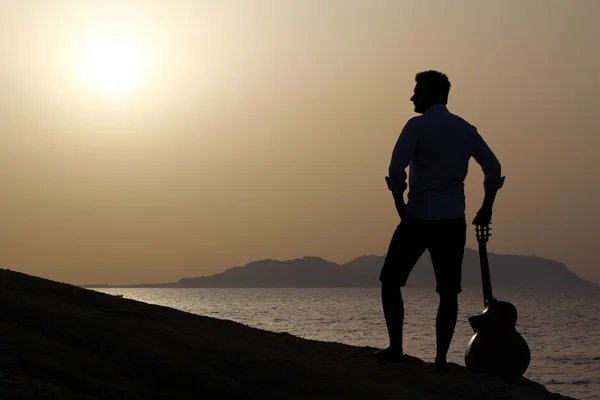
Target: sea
[{"x": 562, "y": 329}]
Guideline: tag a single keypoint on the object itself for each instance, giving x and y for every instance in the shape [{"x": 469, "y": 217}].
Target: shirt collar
[{"x": 436, "y": 108}]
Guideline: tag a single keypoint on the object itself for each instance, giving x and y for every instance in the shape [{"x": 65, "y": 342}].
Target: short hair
[{"x": 435, "y": 83}]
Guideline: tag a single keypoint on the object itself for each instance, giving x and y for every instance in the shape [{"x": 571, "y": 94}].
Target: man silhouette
[{"x": 438, "y": 146}]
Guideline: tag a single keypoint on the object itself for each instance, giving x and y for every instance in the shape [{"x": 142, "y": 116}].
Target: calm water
[{"x": 562, "y": 330}]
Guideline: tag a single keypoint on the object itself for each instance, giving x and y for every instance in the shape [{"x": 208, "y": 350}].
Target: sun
[{"x": 113, "y": 64}]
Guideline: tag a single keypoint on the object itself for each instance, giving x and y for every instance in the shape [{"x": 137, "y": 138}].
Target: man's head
[{"x": 432, "y": 87}]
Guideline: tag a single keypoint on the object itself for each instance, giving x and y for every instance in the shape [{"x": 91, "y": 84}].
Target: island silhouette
[{"x": 514, "y": 271}]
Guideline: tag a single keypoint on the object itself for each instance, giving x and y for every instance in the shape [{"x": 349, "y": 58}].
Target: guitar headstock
[{"x": 483, "y": 233}]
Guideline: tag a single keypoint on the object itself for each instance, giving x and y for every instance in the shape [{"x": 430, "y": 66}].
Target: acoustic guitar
[{"x": 496, "y": 348}]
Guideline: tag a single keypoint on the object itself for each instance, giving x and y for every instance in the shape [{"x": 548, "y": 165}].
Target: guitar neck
[{"x": 486, "y": 281}]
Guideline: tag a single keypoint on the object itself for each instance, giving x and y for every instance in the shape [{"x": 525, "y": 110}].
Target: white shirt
[{"x": 438, "y": 146}]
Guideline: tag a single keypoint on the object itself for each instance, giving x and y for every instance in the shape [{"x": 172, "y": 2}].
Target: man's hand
[
  {"x": 398, "y": 199},
  {"x": 483, "y": 217},
  {"x": 387, "y": 181}
]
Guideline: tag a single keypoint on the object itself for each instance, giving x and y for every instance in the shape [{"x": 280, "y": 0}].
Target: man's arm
[
  {"x": 401, "y": 157},
  {"x": 493, "y": 180}
]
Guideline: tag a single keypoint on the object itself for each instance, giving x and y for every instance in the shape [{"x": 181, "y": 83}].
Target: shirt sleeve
[
  {"x": 401, "y": 157},
  {"x": 489, "y": 163}
]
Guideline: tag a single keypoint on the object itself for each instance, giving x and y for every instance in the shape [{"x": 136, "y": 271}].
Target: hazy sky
[{"x": 264, "y": 129}]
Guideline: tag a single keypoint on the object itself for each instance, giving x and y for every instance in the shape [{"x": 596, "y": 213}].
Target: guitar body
[{"x": 497, "y": 348}]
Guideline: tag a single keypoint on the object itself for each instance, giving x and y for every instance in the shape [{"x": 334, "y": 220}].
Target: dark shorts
[{"x": 445, "y": 240}]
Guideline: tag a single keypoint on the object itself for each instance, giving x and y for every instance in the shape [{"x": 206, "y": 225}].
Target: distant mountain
[{"x": 506, "y": 270}]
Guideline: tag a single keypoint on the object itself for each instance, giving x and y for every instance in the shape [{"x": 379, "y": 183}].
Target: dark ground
[{"x": 59, "y": 341}]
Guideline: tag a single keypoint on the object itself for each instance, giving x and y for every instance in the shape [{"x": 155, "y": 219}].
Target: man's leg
[
  {"x": 405, "y": 249},
  {"x": 393, "y": 311},
  {"x": 446, "y": 250},
  {"x": 444, "y": 327}
]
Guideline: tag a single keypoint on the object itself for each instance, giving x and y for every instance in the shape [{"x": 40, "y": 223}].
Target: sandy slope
[{"x": 63, "y": 342}]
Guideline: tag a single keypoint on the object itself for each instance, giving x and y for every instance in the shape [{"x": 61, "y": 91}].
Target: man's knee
[
  {"x": 448, "y": 297},
  {"x": 390, "y": 284},
  {"x": 390, "y": 289},
  {"x": 393, "y": 276},
  {"x": 448, "y": 288}
]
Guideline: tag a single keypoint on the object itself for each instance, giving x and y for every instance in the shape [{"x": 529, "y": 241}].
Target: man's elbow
[
  {"x": 493, "y": 183},
  {"x": 493, "y": 176},
  {"x": 397, "y": 181},
  {"x": 397, "y": 186}
]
